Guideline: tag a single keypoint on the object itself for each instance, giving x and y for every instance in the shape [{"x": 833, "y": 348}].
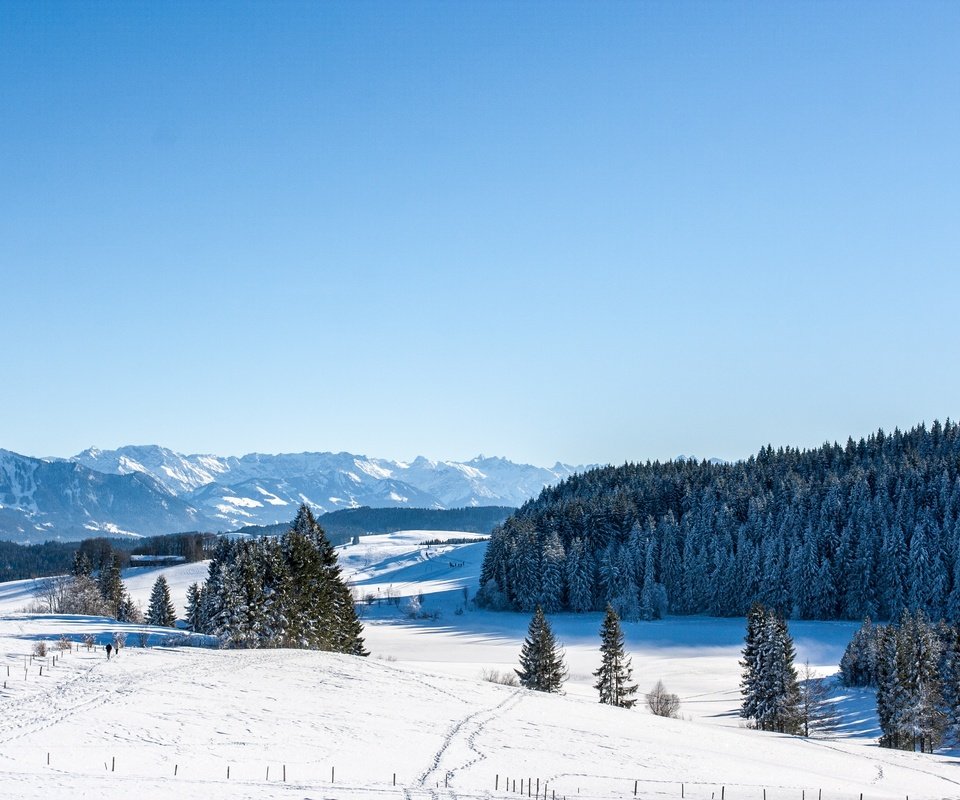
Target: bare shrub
[
  {"x": 40, "y": 649},
  {"x": 63, "y": 643},
  {"x": 89, "y": 640},
  {"x": 662, "y": 703},
  {"x": 503, "y": 678},
  {"x": 50, "y": 594}
]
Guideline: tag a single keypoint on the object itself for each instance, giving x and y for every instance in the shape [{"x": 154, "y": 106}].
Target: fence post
[
  {"x": 48, "y": 759},
  {"x": 228, "y": 772},
  {"x": 175, "y": 768},
  {"x": 284, "y": 773},
  {"x": 496, "y": 781},
  {"x": 113, "y": 764},
  {"x": 268, "y": 772},
  {"x": 333, "y": 771},
  {"x": 635, "y": 788}
]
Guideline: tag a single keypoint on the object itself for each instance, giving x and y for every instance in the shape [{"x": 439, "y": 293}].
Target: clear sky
[{"x": 584, "y": 232}]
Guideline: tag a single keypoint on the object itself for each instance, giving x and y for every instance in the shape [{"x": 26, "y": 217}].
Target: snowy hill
[{"x": 171, "y": 720}]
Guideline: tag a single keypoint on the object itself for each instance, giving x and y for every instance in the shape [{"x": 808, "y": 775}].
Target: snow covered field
[{"x": 173, "y": 719}]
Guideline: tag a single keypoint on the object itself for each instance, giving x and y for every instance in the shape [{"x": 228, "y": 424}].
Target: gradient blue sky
[{"x": 578, "y": 231}]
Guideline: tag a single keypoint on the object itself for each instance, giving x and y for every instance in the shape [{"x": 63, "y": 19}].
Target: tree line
[
  {"x": 838, "y": 532},
  {"x": 914, "y": 665}
]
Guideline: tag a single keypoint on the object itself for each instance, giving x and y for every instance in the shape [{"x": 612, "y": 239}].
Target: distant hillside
[
  {"x": 342, "y": 526},
  {"x": 866, "y": 529}
]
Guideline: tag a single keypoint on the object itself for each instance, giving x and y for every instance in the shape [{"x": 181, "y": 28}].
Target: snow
[
  {"x": 271, "y": 498},
  {"x": 372, "y": 469},
  {"x": 417, "y": 707},
  {"x": 243, "y": 502}
]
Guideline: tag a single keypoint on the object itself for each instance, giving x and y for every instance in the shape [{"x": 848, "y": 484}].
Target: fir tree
[
  {"x": 541, "y": 659},
  {"x": 82, "y": 568},
  {"x": 194, "y": 608},
  {"x": 615, "y": 675},
  {"x": 281, "y": 592},
  {"x": 111, "y": 587},
  {"x": 161, "y": 610},
  {"x": 769, "y": 687}
]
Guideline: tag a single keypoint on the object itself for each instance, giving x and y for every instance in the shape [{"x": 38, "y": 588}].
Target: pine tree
[
  {"x": 750, "y": 663},
  {"x": 541, "y": 659},
  {"x": 194, "y": 608},
  {"x": 161, "y": 610},
  {"x": 111, "y": 587},
  {"x": 769, "y": 686},
  {"x": 82, "y": 568},
  {"x": 615, "y": 674}
]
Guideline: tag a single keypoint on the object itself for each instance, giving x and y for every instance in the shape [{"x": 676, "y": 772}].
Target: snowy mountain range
[{"x": 149, "y": 490}]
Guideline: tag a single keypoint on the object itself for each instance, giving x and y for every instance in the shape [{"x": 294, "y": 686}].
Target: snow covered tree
[
  {"x": 111, "y": 586},
  {"x": 769, "y": 687},
  {"x": 858, "y": 667},
  {"x": 751, "y": 687},
  {"x": 921, "y": 720},
  {"x": 281, "y": 592},
  {"x": 194, "y": 608},
  {"x": 541, "y": 658},
  {"x": 615, "y": 675},
  {"x": 82, "y": 568},
  {"x": 161, "y": 610}
]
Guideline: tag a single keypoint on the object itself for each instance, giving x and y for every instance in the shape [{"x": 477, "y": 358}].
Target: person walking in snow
[{"x": 109, "y": 650}]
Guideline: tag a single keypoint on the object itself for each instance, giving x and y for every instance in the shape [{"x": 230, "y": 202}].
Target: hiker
[{"x": 109, "y": 650}]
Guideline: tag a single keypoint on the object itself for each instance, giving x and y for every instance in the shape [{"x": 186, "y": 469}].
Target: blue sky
[{"x": 578, "y": 231}]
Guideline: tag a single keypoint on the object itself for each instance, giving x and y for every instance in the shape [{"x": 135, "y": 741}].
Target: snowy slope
[{"x": 417, "y": 708}]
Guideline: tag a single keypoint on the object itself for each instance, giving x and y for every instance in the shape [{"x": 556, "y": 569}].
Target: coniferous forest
[
  {"x": 837, "y": 532},
  {"x": 283, "y": 591}
]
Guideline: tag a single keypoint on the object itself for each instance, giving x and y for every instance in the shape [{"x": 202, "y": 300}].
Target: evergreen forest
[
  {"x": 283, "y": 591},
  {"x": 868, "y": 529}
]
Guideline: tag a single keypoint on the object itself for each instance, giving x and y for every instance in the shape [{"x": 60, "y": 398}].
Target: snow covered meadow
[{"x": 416, "y": 719}]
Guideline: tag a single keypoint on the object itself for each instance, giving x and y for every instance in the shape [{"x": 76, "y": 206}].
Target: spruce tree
[
  {"x": 615, "y": 675},
  {"x": 82, "y": 568},
  {"x": 161, "y": 610},
  {"x": 770, "y": 690},
  {"x": 111, "y": 586},
  {"x": 541, "y": 659},
  {"x": 194, "y": 608}
]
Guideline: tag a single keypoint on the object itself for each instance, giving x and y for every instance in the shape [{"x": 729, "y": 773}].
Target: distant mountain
[
  {"x": 41, "y": 500},
  {"x": 147, "y": 490}
]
